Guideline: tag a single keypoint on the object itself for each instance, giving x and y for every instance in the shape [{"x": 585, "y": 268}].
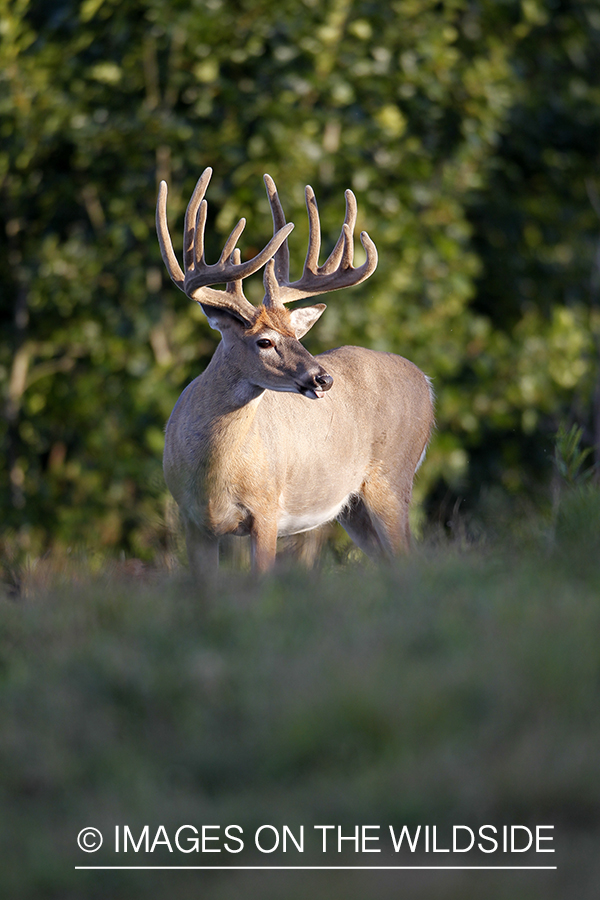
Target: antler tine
[
  {"x": 314, "y": 231},
  {"x": 370, "y": 264},
  {"x": 198, "y": 237},
  {"x": 193, "y": 231},
  {"x": 235, "y": 287},
  {"x": 164, "y": 238},
  {"x": 333, "y": 260},
  {"x": 282, "y": 257},
  {"x": 229, "y": 249}
]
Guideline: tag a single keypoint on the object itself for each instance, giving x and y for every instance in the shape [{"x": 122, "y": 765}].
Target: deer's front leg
[{"x": 263, "y": 542}]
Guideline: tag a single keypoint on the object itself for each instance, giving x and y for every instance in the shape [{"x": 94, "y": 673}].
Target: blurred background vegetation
[
  {"x": 448, "y": 688},
  {"x": 470, "y": 132}
]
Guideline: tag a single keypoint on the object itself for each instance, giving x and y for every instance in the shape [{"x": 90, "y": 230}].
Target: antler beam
[{"x": 337, "y": 272}]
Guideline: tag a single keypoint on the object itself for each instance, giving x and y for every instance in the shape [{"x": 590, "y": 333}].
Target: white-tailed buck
[{"x": 270, "y": 440}]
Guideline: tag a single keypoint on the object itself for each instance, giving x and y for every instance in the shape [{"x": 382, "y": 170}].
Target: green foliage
[
  {"x": 451, "y": 688},
  {"x": 469, "y": 132},
  {"x": 570, "y": 457}
]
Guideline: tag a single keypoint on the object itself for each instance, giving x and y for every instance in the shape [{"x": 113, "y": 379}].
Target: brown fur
[
  {"x": 281, "y": 463},
  {"x": 277, "y": 319}
]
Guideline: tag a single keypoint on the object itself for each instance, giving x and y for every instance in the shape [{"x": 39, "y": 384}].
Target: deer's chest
[{"x": 236, "y": 487}]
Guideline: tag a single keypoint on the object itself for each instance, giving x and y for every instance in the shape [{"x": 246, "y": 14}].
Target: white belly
[{"x": 294, "y": 523}]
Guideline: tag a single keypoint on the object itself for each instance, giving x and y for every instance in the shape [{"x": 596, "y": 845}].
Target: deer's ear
[
  {"x": 304, "y": 318},
  {"x": 221, "y": 318}
]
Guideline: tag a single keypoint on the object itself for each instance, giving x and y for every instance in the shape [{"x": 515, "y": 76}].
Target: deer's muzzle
[{"x": 316, "y": 386}]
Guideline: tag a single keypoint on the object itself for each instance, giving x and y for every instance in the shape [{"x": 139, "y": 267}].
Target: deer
[{"x": 269, "y": 440}]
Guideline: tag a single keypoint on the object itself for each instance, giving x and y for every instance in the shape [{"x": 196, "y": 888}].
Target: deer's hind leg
[
  {"x": 377, "y": 519},
  {"x": 389, "y": 506},
  {"x": 357, "y": 523}
]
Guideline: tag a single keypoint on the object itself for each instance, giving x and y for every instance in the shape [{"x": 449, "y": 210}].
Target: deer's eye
[{"x": 264, "y": 343}]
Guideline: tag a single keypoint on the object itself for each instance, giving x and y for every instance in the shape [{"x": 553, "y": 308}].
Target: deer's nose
[{"x": 324, "y": 381}]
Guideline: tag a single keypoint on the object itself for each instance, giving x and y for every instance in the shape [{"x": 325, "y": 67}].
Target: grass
[{"x": 459, "y": 686}]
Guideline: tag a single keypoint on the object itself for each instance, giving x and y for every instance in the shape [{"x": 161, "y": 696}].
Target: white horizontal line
[{"x": 321, "y": 868}]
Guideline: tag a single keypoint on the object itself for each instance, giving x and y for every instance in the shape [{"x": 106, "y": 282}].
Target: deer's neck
[
  {"x": 230, "y": 443},
  {"x": 228, "y": 391}
]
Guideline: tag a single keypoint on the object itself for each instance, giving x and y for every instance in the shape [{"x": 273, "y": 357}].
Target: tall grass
[{"x": 458, "y": 686}]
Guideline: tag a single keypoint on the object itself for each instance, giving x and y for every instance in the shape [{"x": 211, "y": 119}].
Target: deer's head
[{"x": 263, "y": 343}]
